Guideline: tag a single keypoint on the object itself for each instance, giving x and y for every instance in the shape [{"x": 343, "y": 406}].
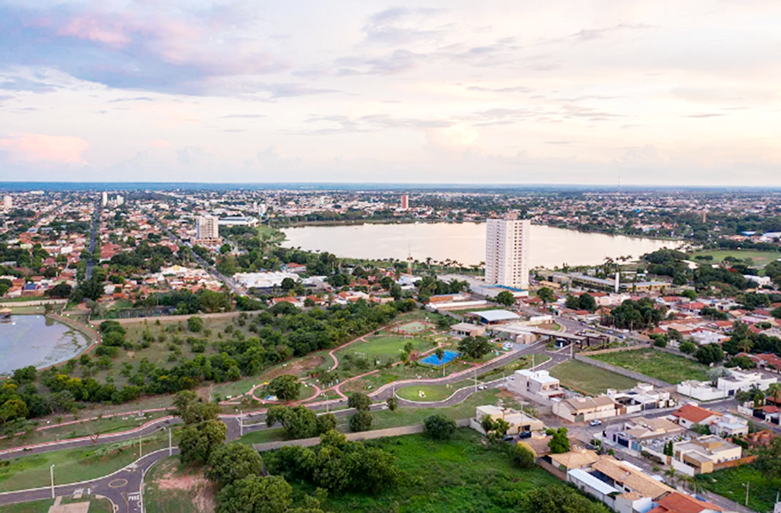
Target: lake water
[
  {"x": 35, "y": 340},
  {"x": 465, "y": 243}
]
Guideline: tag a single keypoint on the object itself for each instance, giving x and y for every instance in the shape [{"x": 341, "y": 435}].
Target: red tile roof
[
  {"x": 693, "y": 413},
  {"x": 679, "y": 503}
]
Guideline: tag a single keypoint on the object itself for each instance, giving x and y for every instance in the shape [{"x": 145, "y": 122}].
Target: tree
[
  {"x": 505, "y": 298},
  {"x": 474, "y": 347},
  {"x": 189, "y": 407},
  {"x": 439, "y": 427},
  {"x": 326, "y": 423},
  {"x": 546, "y": 295},
  {"x": 361, "y": 421},
  {"x": 393, "y": 403},
  {"x": 195, "y": 324},
  {"x": 559, "y": 443},
  {"x": 359, "y": 401},
  {"x": 558, "y": 499},
  {"x": 687, "y": 347},
  {"x": 709, "y": 354},
  {"x": 769, "y": 458},
  {"x": 229, "y": 463},
  {"x": 439, "y": 353},
  {"x": 285, "y": 387},
  {"x": 774, "y": 392},
  {"x": 522, "y": 457},
  {"x": 298, "y": 421},
  {"x": 198, "y": 441},
  {"x": 255, "y": 494},
  {"x": 715, "y": 373},
  {"x": 288, "y": 284},
  {"x": 587, "y": 302}
]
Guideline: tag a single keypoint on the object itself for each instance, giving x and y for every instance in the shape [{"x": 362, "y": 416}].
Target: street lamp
[{"x": 51, "y": 473}]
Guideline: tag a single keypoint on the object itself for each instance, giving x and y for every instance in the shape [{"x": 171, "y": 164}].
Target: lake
[
  {"x": 35, "y": 340},
  {"x": 465, "y": 243}
]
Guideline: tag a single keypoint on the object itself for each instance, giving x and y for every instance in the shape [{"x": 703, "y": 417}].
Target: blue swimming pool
[{"x": 432, "y": 359}]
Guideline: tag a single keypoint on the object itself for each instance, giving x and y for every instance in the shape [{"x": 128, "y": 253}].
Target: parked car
[
  {"x": 525, "y": 434},
  {"x": 595, "y": 422}
]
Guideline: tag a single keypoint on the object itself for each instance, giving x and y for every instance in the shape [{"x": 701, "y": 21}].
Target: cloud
[
  {"x": 43, "y": 149},
  {"x": 160, "y": 143},
  {"x": 401, "y": 25}
]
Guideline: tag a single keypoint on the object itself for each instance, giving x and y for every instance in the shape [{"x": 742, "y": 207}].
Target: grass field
[
  {"x": 74, "y": 465},
  {"x": 668, "y": 367},
  {"x": 170, "y": 488},
  {"x": 459, "y": 475},
  {"x": 759, "y": 258},
  {"x": 426, "y": 393},
  {"x": 387, "y": 346},
  {"x": 29, "y": 507},
  {"x": 730, "y": 482},
  {"x": 588, "y": 379}
]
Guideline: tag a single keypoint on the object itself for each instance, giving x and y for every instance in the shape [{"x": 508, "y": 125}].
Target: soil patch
[
  {"x": 300, "y": 367},
  {"x": 201, "y": 490}
]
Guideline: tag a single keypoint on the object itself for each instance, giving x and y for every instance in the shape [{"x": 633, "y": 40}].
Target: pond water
[
  {"x": 465, "y": 243},
  {"x": 36, "y": 340}
]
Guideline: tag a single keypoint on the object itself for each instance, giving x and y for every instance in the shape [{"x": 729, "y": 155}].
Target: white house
[
  {"x": 726, "y": 386},
  {"x": 539, "y": 386}
]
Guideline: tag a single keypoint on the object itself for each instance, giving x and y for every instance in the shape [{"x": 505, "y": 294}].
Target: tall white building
[
  {"x": 120, "y": 200},
  {"x": 104, "y": 199},
  {"x": 207, "y": 228},
  {"x": 507, "y": 251},
  {"x": 8, "y": 202}
]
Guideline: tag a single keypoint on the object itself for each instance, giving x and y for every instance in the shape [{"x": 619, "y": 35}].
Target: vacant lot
[
  {"x": 656, "y": 364},
  {"x": 459, "y": 475},
  {"x": 730, "y": 483},
  {"x": 589, "y": 379},
  {"x": 172, "y": 489}
]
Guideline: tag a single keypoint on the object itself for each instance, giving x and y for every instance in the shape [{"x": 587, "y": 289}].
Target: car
[
  {"x": 595, "y": 422},
  {"x": 481, "y": 387},
  {"x": 525, "y": 434}
]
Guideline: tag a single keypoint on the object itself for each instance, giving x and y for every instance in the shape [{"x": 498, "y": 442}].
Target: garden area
[
  {"x": 667, "y": 367},
  {"x": 588, "y": 379}
]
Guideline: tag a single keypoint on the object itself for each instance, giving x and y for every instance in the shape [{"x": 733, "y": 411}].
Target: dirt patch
[
  {"x": 300, "y": 367},
  {"x": 198, "y": 487},
  {"x": 130, "y": 354}
]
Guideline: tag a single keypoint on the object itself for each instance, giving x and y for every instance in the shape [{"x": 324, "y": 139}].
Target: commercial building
[
  {"x": 405, "y": 201},
  {"x": 507, "y": 251},
  {"x": 207, "y": 228},
  {"x": 237, "y": 221}
]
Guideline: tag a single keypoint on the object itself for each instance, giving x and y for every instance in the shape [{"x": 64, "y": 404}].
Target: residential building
[
  {"x": 641, "y": 398},
  {"x": 704, "y": 455},
  {"x": 519, "y": 422},
  {"x": 677, "y": 502},
  {"x": 622, "y": 486},
  {"x": 579, "y": 409},
  {"x": 465, "y": 329},
  {"x": 405, "y": 201},
  {"x": 538, "y": 386},
  {"x": 726, "y": 386},
  {"x": 690, "y": 414},
  {"x": 578, "y": 458},
  {"x": 104, "y": 199},
  {"x": 638, "y": 432},
  {"x": 507, "y": 251},
  {"x": 207, "y": 228}
]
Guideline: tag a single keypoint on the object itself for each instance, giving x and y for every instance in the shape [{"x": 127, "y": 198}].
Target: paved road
[{"x": 92, "y": 237}]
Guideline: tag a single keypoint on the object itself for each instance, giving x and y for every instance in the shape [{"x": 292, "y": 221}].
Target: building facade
[
  {"x": 507, "y": 251},
  {"x": 207, "y": 228}
]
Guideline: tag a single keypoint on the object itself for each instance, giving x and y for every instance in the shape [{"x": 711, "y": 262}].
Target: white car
[{"x": 595, "y": 422}]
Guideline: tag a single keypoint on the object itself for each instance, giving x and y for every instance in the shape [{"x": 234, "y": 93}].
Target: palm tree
[
  {"x": 440, "y": 353},
  {"x": 745, "y": 345},
  {"x": 672, "y": 476}
]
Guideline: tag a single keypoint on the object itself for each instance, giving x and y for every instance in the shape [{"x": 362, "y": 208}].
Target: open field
[
  {"x": 74, "y": 465},
  {"x": 759, "y": 258},
  {"x": 169, "y": 488},
  {"x": 588, "y": 379},
  {"x": 384, "y": 347},
  {"x": 427, "y": 393},
  {"x": 730, "y": 483},
  {"x": 657, "y": 364},
  {"x": 444, "y": 476},
  {"x": 29, "y": 507}
]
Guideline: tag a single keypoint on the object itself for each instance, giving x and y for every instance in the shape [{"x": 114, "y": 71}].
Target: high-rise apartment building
[
  {"x": 8, "y": 202},
  {"x": 104, "y": 199},
  {"x": 507, "y": 251},
  {"x": 405, "y": 201},
  {"x": 207, "y": 228}
]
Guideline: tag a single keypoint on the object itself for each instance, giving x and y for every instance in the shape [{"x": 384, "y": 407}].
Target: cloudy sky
[{"x": 516, "y": 91}]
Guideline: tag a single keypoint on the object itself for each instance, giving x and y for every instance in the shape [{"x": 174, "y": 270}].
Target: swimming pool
[{"x": 447, "y": 357}]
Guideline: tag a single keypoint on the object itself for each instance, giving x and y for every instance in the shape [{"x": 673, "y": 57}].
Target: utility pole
[
  {"x": 748, "y": 485},
  {"x": 51, "y": 473},
  {"x": 139, "y": 447},
  {"x": 241, "y": 424},
  {"x": 170, "y": 445}
]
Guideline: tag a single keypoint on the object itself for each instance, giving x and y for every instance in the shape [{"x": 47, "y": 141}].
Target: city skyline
[{"x": 512, "y": 93}]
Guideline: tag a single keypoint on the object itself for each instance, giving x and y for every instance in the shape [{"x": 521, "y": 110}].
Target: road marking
[
  {"x": 135, "y": 496},
  {"x": 117, "y": 483}
]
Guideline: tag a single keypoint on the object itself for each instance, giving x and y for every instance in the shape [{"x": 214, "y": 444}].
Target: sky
[{"x": 506, "y": 91}]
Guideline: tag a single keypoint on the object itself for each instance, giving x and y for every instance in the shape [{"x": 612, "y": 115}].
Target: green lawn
[
  {"x": 74, "y": 465},
  {"x": 426, "y": 393},
  {"x": 386, "y": 346},
  {"x": 28, "y": 507},
  {"x": 589, "y": 379},
  {"x": 657, "y": 364},
  {"x": 759, "y": 258},
  {"x": 459, "y": 475},
  {"x": 186, "y": 491},
  {"x": 729, "y": 483}
]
